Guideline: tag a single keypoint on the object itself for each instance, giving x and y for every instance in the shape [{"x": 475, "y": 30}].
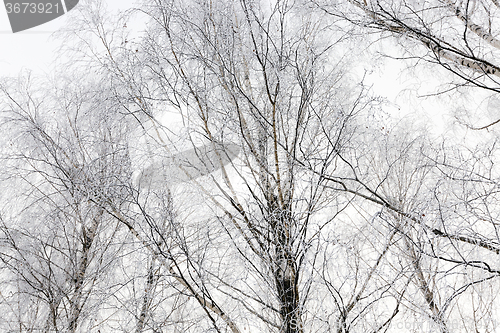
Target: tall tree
[
  {"x": 460, "y": 37},
  {"x": 283, "y": 203},
  {"x": 55, "y": 243},
  {"x": 257, "y": 80}
]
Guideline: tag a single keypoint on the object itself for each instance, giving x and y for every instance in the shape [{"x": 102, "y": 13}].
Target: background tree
[
  {"x": 425, "y": 202},
  {"x": 55, "y": 244},
  {"x": 459, "y": 37}
]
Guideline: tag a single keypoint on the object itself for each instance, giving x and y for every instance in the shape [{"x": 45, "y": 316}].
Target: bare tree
[
  {"x": 426, "y": 195},
  {"x": 450, "y": 235},
  {"x": 458, "y": 36},
  {"x": 282, "y": 204},
  {"x": 55, "y": 243},
  {"x": 258, "y": 77}
]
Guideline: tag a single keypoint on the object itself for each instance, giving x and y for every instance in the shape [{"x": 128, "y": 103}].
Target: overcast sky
[{"x": 35, "y": 48}]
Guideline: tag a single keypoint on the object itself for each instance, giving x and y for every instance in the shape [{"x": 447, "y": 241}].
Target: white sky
[{"x": 35, "y": 49}]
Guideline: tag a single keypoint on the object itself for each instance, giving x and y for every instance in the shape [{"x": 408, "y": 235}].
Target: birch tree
[
  {"x": 55, "y": 244},
  {"x": 430, "y": 197},
  {"x": 236, "y": 177},
  {"x": 256, "y": 80},
  {"x": 458, "y": 36}
]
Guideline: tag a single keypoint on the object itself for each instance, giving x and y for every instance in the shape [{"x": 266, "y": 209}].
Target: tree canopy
[{"x": 227, "y": 169}]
